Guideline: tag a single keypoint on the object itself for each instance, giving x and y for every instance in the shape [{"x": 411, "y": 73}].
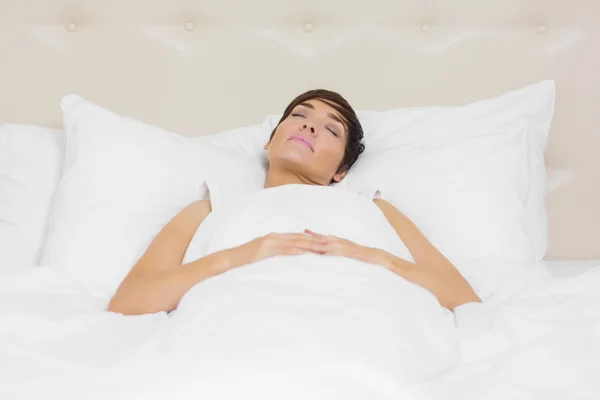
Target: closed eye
[
  {"x": 298, "y": 115},
  {"x": 332, "y": 131}
]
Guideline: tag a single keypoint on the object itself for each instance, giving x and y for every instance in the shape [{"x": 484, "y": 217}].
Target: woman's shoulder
[{"x": 200, "y": 208}]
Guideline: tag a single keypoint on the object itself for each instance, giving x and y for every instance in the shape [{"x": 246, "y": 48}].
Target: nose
[{"x": 312, "y": 128}]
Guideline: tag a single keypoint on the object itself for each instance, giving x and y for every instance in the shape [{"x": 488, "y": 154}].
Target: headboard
[{"x": 197, "y": 67}]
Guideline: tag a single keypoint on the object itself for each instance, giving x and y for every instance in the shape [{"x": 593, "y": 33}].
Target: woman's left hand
[
  {"x": 336, "y": 246},
  {"x": 451, "y": 289}
]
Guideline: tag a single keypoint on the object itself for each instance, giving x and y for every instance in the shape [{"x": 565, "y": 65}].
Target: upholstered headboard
[{"x": 197, "y": 67}]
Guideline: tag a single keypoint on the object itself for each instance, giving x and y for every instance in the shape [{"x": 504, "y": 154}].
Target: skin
[
  {"x": 307, "y": 148},
  {"x": 315, "y": 162}
]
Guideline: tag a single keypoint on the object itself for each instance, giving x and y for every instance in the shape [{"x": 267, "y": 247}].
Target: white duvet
[{"x": 303, "y": 327}]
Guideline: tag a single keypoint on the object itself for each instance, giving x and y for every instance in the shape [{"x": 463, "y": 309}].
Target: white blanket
[{"x": 302, "y": 327}]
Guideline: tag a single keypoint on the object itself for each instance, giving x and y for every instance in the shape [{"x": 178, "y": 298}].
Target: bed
[
  {"x": 115, "y": 115},
  {"x": 541, "y": 343}
]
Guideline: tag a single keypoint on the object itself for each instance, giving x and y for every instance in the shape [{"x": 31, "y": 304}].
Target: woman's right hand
[{"x": 275, "y": 244}]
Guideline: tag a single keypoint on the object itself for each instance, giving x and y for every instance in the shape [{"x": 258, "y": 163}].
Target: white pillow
[
  {"x": 123, "y": 181},
  {"x": 403, "y": 130},
  {"x": 468, "y": 196},
  {"x": 453, "y": 139},
  {"x": 30, "y": 167},
  {"x": 248, "y": 140}
]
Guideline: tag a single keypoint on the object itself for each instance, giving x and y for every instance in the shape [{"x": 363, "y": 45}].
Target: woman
[{"x": 316, "y": 142}]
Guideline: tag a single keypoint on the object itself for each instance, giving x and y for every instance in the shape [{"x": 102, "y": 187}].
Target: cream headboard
[{"x": 197, "y": 67}]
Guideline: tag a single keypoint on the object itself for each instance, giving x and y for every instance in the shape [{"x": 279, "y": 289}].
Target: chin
[{"x": 293, "y": 158}]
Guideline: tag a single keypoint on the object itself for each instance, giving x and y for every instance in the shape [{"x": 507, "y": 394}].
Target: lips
[{"x": 302, "y": 140}]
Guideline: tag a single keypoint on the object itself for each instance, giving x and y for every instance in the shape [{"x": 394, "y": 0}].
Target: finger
[
  {"x": 309, "y": 244},
  {"x": 312, "y": 236},
  {"x": 300, "y": 243},
  {"x": 313, "y": 233},
  {"x": 336, "y": 248},
  {"x": 293, "y": 250},
  {"x": 296, "y": 250},
  {"x": 283, "y": 238},
  {"x": 328, "y": 237},
  {"x": 318, "y": 245},
  {"x": 286, "y": 236},
  {"x": 318, "y": 235}
]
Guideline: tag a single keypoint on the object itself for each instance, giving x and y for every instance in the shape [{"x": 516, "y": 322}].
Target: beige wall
[{"x": 235, "y": 61}]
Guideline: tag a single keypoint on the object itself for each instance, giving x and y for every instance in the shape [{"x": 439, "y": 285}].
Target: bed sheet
[
  {"x": 538, "y": 339},
  {"x": 570, "y": 267}
]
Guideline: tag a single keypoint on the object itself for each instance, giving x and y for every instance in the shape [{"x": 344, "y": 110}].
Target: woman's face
[{"x": 311, "y": 142}]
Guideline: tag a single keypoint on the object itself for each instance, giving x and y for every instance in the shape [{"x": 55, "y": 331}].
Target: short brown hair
[{"x": 355, "y": 134}]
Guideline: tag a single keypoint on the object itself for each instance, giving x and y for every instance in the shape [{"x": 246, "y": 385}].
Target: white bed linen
[
  {"x": 536, "y": 337},
  {"x": 569, "y": 267}
]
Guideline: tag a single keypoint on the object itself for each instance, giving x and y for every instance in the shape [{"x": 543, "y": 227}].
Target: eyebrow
[{"x": 330, "y": 115}]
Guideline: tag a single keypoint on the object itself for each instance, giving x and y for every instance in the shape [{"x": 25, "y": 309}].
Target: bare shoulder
[
  {"x": 193, "y": 214},
  {"x": 182, "y": 226},
  {"x": 200, "y": 207},
  {"x": 393, "y": 215},
  {"x": 167, "y": 249},
  {"x": 383, "y": 204},
  {"x": 421, "y": 249}
]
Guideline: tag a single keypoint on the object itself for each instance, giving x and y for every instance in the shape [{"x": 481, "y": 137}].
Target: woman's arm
[
  {"x": 446, "y": 284},
  {"x": 431, "y": 269},
  {"x": 422, "y": 251},
  {"x": 156, "y": 282},
  {"x": 163, "y": 289}
]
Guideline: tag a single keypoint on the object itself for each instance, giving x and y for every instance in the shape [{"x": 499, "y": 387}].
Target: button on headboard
[{"x": 197, "y": 67}]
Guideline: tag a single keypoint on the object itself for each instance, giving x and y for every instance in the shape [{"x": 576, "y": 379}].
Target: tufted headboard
[{"x": 197, "y": 67}]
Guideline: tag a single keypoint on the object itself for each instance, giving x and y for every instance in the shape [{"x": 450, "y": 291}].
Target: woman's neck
[{"x": 279, "y": 177}]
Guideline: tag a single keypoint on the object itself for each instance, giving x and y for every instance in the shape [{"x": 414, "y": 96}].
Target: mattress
[{"x": 539, "y": 340}]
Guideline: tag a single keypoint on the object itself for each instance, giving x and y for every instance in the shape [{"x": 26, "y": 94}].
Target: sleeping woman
[{"x": 299, "y": 214}]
